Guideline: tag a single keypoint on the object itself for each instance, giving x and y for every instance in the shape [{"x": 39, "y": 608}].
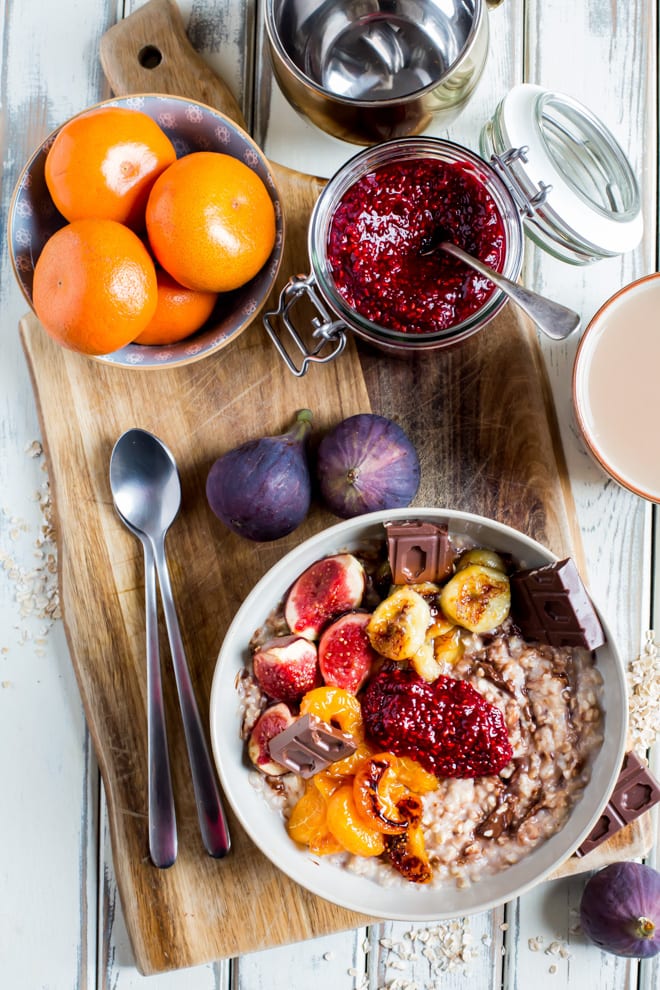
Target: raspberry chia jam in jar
[
  {"x": 372, "y": 271},
  {"x": 380, "y": 250}
]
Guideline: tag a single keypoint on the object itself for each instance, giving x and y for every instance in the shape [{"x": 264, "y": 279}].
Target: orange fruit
[
  {"x": 104, "y": 162},
  {"x": 94, "y": 286},
  {"x": 179, "y": 311},
  {"x": 210, "y": 221}
]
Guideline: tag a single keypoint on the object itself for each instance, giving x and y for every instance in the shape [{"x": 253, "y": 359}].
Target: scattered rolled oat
[
  {"x": 644, "y": 697},
  {"x": 36, "y": 590}
]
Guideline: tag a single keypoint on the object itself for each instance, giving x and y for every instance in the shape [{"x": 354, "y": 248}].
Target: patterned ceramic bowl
[{"x": 191, "y": 126}]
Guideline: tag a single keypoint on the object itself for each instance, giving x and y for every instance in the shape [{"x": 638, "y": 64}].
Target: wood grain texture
[{"x": 498, "y": 456}]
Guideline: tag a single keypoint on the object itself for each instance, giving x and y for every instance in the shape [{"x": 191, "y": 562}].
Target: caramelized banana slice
[
  {"x": 425, "y": 663},
  {"x": 477, "y": 598},
  {"x": 397, "y": 628},
  {"x": 483, "y": 556},
  {"x": 448, "y": 647}
]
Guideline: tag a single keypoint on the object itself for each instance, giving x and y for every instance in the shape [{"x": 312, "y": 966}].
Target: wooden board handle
[{"x": 149, "y": 52}]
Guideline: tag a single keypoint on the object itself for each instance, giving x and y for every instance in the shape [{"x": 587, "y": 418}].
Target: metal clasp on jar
[
  {"x": 324, "y": 328},
  {"x": 527, "y": 203}
]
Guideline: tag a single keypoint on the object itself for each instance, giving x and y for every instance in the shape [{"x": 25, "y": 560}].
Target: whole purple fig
[
  {"x": 262, "y": 489},
  {"x": 367, "y": 463},
  {"x": 620, "y": 910}
]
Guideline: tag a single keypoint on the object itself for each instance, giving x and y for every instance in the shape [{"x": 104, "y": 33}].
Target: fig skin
[
  {"x": 262, "y": 489},
  {"x": 365, "y": 464},
  {"x": 620, "y": 910}
]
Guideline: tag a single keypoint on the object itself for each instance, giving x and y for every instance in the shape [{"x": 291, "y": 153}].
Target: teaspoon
[
  {"x": 553, "y": 319},
  {"x": 147, "y": 492}
]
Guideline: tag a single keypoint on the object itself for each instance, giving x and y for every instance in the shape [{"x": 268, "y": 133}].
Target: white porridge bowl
[{"x": 265, "y": 825}]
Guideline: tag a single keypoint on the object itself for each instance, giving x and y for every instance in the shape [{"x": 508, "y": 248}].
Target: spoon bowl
[{"x": 145, "y": 482}]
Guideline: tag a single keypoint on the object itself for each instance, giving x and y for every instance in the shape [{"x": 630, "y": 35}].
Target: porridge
[{"x": 462, "y": 743}]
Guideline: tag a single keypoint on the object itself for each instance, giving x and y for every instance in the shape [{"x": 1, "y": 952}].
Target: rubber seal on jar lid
[{"x": 594, "y": 191}]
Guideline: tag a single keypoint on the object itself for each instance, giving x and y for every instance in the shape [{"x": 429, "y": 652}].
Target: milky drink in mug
[{"x": 615, "y": 386}]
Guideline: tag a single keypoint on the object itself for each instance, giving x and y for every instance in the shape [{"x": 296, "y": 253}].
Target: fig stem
[{"x": 301, "y": 427}]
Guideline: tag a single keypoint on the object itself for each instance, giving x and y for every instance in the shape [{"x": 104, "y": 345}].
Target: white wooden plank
[
  {"x": 49, "y": 779},
  {"x": 606, "y": 61},
  {"x": 447, "y": 954},
  {"x": 334, "y": 962}
]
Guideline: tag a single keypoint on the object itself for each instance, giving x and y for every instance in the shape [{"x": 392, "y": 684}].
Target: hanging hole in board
[{"x": 149, "y": 57}]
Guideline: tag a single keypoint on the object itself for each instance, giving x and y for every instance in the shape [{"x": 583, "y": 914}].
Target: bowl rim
[
  {"x": 580, "y": 366},
  {"x": 311, "y": 872},
  {"x": 190, "y": 358}
]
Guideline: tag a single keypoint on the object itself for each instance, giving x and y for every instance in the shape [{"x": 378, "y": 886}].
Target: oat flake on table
[
  {"x": 36, "y": 590},
  {"x": 644, "y": 697}
]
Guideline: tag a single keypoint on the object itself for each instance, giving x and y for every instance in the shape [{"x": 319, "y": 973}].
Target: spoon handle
[
  {"x": 212, "y": 822},
  {"x": 552, "y": 318},
  {"x": 162, "y": 817}
]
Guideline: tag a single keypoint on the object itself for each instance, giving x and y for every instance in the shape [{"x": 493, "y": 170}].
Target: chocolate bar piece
[
  {"x": 635, "y": 791},
  {"x": 550, "y": 604},
  {"x": 418, "y": 551},
  {"x": 310, "y": 745}
]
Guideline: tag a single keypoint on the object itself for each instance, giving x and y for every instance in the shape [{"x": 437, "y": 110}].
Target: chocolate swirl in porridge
[{"x": 455, "y": 820}]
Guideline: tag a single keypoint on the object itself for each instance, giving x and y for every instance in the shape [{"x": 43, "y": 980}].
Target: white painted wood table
[{"x": 60, "y": 918}]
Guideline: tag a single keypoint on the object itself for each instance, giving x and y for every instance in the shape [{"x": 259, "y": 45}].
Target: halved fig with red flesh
[
  {"x": 285, "y": 668},
  {"x": 270, "y": 723},
  {"x": 345, "y": 654},
  {"x": 327, "y": 588}
]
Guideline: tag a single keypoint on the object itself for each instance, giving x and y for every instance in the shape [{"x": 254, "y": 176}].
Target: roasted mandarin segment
[
  {"x": 337, "y": 707},
  {"x": 414, "y": 776},
  {"x": 407, "y": 853},
  {"x": 352, "y": 763},
  {"x": 477, "y": 598},
  {"x": 398, "y": 626},
  {"x": 381, "y": 799},
  {"x": 347, "y": 826},
  {"x": 308, "y": 822}
]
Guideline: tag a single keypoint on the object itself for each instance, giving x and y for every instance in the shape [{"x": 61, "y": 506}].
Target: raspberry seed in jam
[{"x": 377, "y": 249}]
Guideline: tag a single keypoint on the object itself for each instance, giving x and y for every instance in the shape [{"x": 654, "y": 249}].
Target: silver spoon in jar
[
  {"x": 147, "y": 493},
  {"x": 553, "y": 319}
]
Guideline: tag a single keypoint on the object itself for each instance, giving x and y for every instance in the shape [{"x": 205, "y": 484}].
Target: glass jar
[
  {"x": 577, "y": 193},
  {"x": 333, "y": 316}
]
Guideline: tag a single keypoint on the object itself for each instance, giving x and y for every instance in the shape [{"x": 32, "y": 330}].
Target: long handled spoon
[
  {"x": 147, "y": 492},
  {"x": 162, "y": 816},
  {"x": 553, "y": 319}
]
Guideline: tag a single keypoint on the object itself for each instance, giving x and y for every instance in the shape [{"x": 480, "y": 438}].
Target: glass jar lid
[{"x": 578, "y": 194}]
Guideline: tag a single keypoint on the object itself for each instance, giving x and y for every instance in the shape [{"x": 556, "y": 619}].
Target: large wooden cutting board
[{"x": 484, "y": 426}]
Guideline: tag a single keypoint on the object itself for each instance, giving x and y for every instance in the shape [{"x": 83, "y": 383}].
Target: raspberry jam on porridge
[
  {"x": 462, "y": 745},
  {"x": 381, "y": 231}
]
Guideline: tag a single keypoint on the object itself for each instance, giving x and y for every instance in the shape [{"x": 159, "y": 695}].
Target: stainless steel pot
[{"x": 367, "y": 71}]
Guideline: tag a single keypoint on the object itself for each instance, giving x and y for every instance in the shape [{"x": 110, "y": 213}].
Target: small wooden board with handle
[{"x": 483, "y": 423}]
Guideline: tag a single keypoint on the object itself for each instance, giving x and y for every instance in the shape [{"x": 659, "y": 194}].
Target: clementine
[
  {"x": 179, "y": 312},
  {"x": 210, "y": 221},
  {"x": 94, "y": 286},
  {"x": 104, "y": 162}
]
